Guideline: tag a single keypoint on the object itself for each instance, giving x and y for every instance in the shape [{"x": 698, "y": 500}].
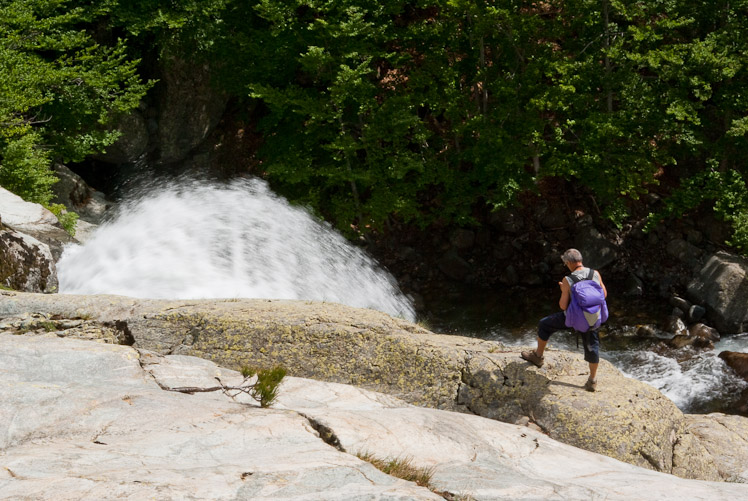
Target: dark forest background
[{"x": 425, "y": 113}]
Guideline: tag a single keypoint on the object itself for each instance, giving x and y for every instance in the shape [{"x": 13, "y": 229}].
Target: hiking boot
[
  {"x": 532, "y": 357},
  {"x": 591, "y": 385}
]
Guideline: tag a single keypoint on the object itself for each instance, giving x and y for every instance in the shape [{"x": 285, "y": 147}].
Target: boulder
[
  {"x": 33, "y": 220},
  {"x": 722, "y": 287},
  {"x": 684, "y": 251},
  {"x": 696, "y": 313},
  {"x": 462, "y": 239},
  {"x": 737, "y": 361},
  {"x": 647, "y": 331},
  {"x": 132, "y": 142},
  {"x": 675, "y": 325},
  {"x": 453, "y": 266},
  {"x": 26, "y": 264},
  {"x": 680, "y": 303},
  {"x": 597, "y": 251},
  {"x": 704, "y": 332},
  {"x": 77, "y": 196},
  {"x": 633, "y": 287},
  {"x": 189, "y": 108},
  {"x": 507, "y": 221},
  {"x": 627, "y": 420}
]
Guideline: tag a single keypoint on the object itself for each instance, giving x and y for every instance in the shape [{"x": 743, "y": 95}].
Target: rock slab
[
  {"x": 625, "y": 420},
  {"x": 110, "y": 429}
]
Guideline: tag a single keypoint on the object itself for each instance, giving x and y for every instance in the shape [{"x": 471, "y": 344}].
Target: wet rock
[
  {"x": 680, "y": 303},
  {"x": 681, "y": 341},
  {"x": 722, "y": 287},
  {"x": 704, "y": 332},
  {"x": 677, "y": 312},
  {"x": 675, "y": 325},
  {"x": 696, "y": 313},
  {"x": 647, "y": 332},
  {"x": 737, "y": 361}
]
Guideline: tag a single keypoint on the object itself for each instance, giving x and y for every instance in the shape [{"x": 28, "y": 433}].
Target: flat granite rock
[
  {"x": 87, "y": 420},
  {"x": 625, "y": 420}
]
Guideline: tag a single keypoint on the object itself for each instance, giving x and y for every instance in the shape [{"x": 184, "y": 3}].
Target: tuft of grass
[
  {"x": 400, "y": 467},
  {"x": 48, "y": 326}
]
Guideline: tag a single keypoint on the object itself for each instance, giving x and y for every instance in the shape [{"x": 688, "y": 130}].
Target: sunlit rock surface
[
  {"x": 80, "y": 419},
  {"x": 626, "y": 419}
]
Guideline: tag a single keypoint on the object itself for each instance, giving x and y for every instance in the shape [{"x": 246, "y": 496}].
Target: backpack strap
[{"x": 575, "y": 279}]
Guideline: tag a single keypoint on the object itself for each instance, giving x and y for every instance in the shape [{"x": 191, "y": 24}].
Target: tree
[{"x": 60, "y": 90}]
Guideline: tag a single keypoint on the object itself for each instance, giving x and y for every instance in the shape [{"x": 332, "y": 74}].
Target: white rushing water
[
  {"x": 692, "y": 380},
  {"x": 690, "y": 384},
  {"x": 202, "y": 240}
]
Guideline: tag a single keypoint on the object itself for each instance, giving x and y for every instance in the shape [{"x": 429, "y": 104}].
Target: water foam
[
  {"x": 690, "y": 384},
  {"x": 200, "y": 240}
]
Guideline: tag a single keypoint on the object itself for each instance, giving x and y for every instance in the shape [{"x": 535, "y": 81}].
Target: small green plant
[
  {"x": 67, "y": 219},
  {"x": 400, "y": 467},
  {"x": 265, "y": 389},
  {"x": 48, "y": 326}
]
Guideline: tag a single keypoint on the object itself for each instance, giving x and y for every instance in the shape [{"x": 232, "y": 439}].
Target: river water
[
  {"x": 697, "y": 381},
  {"x": 201, "y": 240}
]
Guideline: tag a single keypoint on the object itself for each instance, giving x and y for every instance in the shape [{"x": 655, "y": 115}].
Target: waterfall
[{"x": 203, "y": 240}]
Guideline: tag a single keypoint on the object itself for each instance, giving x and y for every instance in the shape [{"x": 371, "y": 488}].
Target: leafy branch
[{"x": 264, "y": 389}]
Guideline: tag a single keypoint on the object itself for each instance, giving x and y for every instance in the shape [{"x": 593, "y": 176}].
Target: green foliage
[
  {"x": 739, "y": 238},
  {"x": 59, "y": 91},
  {"x": 24, "y": 168},
  {"x": 265, "y": 388},
  {"x": 67, "y": 219},
  {"x": 424, "y": 110},
  {"x": 727, "y": 192},
  {"x": 419, "y": 111}
]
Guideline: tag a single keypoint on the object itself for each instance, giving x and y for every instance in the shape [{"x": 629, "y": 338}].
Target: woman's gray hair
[{"x": 571, "y": 256}]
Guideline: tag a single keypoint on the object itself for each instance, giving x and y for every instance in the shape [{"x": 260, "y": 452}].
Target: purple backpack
[{"x": 587, "y": 309}]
